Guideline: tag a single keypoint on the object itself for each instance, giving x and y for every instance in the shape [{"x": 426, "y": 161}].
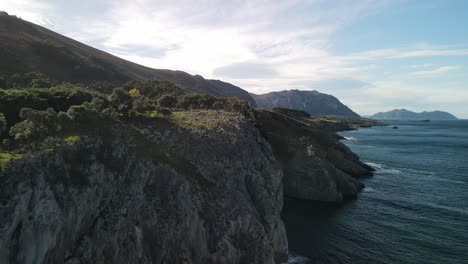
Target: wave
[
  {"x": 368, "y": 189},
  {"x": 351, "y": 138},
  {"x": 376, "y": 166},
  {"x": 382, "y": 168},
  {"x": 296, "y": 259}
]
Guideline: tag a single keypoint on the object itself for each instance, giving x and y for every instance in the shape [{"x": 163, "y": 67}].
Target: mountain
[
  {"x": 403, "y": 114},
  {"x": 313, "y": 102},
  {"x": 26, "y": 47}
]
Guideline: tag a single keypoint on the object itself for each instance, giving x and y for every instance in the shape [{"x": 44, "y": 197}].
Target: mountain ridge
[
  {"x": 27, "y": 47},
  {"x": 404, "y": 114},
  {"x": 312, "y": 102}
]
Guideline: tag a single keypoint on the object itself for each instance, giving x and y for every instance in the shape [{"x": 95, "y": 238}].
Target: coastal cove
[{"x": 413, "y": 210}]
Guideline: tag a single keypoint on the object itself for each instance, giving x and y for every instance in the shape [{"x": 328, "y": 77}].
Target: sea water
[{"x": 413, "y": 210}]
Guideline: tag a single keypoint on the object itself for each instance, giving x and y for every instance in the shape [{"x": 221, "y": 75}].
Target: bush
[
  {"x": 167, "y": 101},
  {"x": 164, "y": 111},
  {"x": 141, "y": 105},
  {"x": 121, "y": 100},
  {"x": 153, "y": 88},
  {"x": 59, "y": 98},
  {"x": 35, "y": 125},
  {"x": 27, "y": 80},
  {"x": 3, "y": 124}
]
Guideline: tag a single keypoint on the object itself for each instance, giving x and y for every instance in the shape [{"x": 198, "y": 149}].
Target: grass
[
  {"x": 326, "y": 119},
  {"x": 208, "y": 119},
  {"x": 71, "y": 140},
  {"x": 6, "y": 158}
]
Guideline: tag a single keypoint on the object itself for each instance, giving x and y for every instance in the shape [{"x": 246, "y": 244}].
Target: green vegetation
[
  {"x": 6, "y": 158},
  {"x": 3, "y": 123},
  {"x": 208, "y": 119},
  {"x": 27, "y": 80},
  {"x": 40, "y": 119}
]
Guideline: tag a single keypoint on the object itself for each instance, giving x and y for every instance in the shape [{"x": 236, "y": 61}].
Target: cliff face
[
  {"x": 316, "y": 165},
  {"x": 199, "y": 187},
  {"x": 204, "y": 193}
]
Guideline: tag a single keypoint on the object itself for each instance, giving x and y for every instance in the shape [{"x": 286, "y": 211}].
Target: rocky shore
[{"x": 336, "y": 124}]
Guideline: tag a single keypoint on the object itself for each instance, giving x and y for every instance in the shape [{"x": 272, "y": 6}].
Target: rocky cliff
[
  {"x": 184, "y": 192},
  {"x": 203, "y": 186},
  {"x": 316, "y": 165}
]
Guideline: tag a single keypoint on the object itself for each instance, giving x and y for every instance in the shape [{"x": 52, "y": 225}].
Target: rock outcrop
[
  {"x": 147, "y": 194},
  {"x": 316, "y": 165}
]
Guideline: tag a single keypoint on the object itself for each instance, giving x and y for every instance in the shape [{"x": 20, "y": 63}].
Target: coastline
[{"x": 338, "y": 124}]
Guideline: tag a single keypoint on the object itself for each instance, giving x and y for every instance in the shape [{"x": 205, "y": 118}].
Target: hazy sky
[{"x": 373, "y": 55}]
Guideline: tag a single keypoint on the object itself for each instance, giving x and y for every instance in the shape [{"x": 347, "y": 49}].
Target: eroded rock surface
[
  {"x": 316, "y": 165},
  {"x": 172, "y": 195}
]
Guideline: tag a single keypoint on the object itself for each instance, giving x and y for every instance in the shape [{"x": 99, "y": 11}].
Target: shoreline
[{"x": 339, "y": 124}]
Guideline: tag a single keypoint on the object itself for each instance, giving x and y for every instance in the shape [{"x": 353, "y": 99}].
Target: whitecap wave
[
  {"x": 376, "y": 166},
  {"x": 296, "y": 259},
  {"x": 351, "y": 138},
  {"x": 368, "y": 189},
  {"x": 382, "y": 168},
  {"x": 391, "y": 171}
]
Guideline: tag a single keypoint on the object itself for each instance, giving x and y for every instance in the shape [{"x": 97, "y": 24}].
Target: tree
[
  {"x": 164, "y": 111},
  {"x": 36, "y": 124},
  {"x": 40, "y": 83},
  {"x": 121, "y": 100},
  {"x": 83, "y": 114},
  {"x": 134, "y": 93},
  {"x": 23, "y": 130},
  {"x": 142, "y": 105},
  {"x": 167, "y": 101},
  {"x": 64, "y": 121},
  {"x": 110, "y": 113},
  {"x": 3, "y": 123}
]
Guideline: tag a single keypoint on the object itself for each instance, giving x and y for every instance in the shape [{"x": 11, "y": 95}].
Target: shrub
[
  {"x": 134, "y": 93},
  {"x": 3, "y": 124},
  {"x": 35, "y": 125},
  {"x": 167, "y": 101},
  {"x": 141, "y": 105},
  {"x": 121, "y": 100},
  {"x": 164, "y": 111}
]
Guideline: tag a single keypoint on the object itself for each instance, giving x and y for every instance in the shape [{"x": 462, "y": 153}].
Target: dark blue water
[{"x": 414, "y": 210}]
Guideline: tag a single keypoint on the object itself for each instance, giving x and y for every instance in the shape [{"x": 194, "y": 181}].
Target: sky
[{"x": 373, "y": 55}]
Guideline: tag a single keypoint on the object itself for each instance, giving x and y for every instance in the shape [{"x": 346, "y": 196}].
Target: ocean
[{"x": 413, "y": 210}]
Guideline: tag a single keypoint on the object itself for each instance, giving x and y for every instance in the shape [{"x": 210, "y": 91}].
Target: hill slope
[
  {"x": 26, "y": 47},
  {"x": 313, "y": 102},
  {"x": 403, "y": 114}
]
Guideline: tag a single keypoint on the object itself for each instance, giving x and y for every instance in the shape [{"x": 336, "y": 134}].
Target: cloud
[
  {"x": 246, "y": 70},
  {"x": 407, "y": 52},
  {"x": 388, "y": 95},
  {"x": 435, "y": 72},
  {"x": 261, "y": 46},
  {"x": 33, "y": 11},
  {"x": 345, "y": 83},
  {"x": 420, "y": 66}
]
